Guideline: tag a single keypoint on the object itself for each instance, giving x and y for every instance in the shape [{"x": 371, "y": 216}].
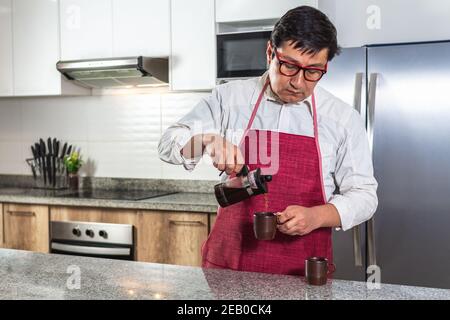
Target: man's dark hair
[{"x": 308, "y": 29}]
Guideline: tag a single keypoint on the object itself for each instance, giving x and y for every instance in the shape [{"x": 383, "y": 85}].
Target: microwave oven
[{"x": 241, "y": 55}]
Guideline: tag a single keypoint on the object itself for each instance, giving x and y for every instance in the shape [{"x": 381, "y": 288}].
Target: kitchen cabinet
[
  {"x": 36, "y": 50},
  {"x": 186, "y": 234},
  {"x": 6, "y": 52},
  {"x": 36, "y": 47},
  {"x": 193, "y": 59},
  {"x": 173, "y": 238},
  {"x": 2, "y": 235},
  {"x": 212, "y": 221},
  {"x": 141, "y": 27},
  {"x": 151, "y": 238},
  {"x": 122, "y": 216},
  {"x": 86, "y": 29},
  {"x": 365, "y": 22},
  {"x": 114, "y": 28},
  {"x": 236, "y": 10},
  {"x": 25, "y": 227}
]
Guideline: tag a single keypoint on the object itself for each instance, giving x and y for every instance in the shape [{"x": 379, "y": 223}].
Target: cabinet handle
[
  {"x": 22, "y": 213},
  {"x": 187, "y": 223}
]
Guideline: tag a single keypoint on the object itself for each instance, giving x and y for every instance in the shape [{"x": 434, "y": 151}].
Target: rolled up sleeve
[{"x": 356, "y": 200}]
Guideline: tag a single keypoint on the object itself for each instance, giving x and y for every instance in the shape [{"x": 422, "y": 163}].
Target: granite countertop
[
  {"x": 30, "y": 275},
  {"x": 181, "y": 201}
]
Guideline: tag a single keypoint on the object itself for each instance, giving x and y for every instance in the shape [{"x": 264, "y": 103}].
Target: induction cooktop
[{"x": 132, "y": 195}]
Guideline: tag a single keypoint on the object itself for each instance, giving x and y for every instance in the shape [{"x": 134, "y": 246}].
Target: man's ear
[{"x": 269, "y": 53}]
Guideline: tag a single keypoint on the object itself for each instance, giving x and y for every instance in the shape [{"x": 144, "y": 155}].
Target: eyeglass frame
[{"x": 300, "y": 67}]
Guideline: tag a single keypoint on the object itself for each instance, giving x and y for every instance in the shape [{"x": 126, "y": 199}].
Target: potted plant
[{"x": 73, "y": 163}]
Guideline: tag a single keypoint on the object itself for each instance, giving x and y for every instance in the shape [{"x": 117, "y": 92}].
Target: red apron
[{"x": 298, "y": 181}]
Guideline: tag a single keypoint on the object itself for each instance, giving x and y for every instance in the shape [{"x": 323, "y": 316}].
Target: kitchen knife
[
  {"x": 63, "y": 154},
  {"x": 33, "y": 169},
  {"x": 55, "y": 155},
  {"x": 44, "y": 163},
  {"x": 49, "y": 160},
  {"x": 49, "y": 168},
  {"x": 38, "y": 157}
]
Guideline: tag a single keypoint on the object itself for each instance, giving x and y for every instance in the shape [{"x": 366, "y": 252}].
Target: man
[{"x": 324, "y": 175}]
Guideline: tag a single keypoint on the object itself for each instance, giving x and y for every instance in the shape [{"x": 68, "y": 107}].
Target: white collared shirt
[{"x": 346, "y": 160}]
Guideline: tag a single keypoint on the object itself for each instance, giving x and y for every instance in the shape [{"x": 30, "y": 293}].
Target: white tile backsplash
[
  {"x": 54, "y": 117},
  {"x": 117, "y": 135},
  {"x": 10, "y": 120},
  {"x": 11, "y": 158}
]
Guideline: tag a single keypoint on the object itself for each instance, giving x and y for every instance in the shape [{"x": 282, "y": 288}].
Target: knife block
[{"x": 56, "y": 178}]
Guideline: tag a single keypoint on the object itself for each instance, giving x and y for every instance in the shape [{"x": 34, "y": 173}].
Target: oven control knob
[
  {"x": 76, "y": 232},
  {"x": 90, "y": 233},
  {"x": 103, "y": 234}
]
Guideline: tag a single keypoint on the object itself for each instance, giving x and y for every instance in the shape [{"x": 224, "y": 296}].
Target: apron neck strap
[{"x": 258, "y": 102}]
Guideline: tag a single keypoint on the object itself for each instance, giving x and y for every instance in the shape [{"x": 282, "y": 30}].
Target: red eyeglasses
[{"x": 290, "y": 69}]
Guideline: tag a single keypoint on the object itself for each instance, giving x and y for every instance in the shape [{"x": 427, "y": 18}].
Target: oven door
[
  {"x": 241, "y": 55},
  {"x": 92, "y": 249}
]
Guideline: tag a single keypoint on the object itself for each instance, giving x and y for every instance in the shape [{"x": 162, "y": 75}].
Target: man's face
[{"x": 293, "y": 89}]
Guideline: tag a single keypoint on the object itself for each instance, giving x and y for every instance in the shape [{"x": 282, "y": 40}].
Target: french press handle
[{"x": 244, "y": 171}]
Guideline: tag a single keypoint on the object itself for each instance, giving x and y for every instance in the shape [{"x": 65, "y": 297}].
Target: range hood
[{"x": 117, "y": 72}]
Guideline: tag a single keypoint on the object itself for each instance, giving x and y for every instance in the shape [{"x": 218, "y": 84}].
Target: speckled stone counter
[
  {"x": 28, "y": 275},
  {"x": 182, "y": 201}
]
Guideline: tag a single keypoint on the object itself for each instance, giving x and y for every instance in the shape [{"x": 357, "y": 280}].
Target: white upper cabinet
[
  {"x": 86, "y": 29},
  {"x": 35, "y": 47},
  {"x": 141, "y": 27},
  {"x": 238, "y": 10},
  {"x": 6, "y": 53},
  {"x": 365, "y": 22},
  {"x": 193, "y": 60}
]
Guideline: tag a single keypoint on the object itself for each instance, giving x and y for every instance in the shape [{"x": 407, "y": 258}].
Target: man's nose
[{"x": 298, "y": 81}]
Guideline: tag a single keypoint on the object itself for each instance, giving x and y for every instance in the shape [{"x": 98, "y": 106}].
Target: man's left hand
[{"x": 298, "y": 220}]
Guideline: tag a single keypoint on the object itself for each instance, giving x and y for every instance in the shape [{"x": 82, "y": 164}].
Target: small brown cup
[
  {"x": 264, "y": 225},
  {"x": 317, "y": 270}
]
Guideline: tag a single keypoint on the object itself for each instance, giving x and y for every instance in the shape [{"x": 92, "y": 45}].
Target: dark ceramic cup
[
  {"x": 317, "y": 270},
  {"x": 264, "y": 225}
]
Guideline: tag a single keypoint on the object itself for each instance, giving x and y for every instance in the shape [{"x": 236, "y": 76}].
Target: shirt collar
[{"x": 271, "y": 96}]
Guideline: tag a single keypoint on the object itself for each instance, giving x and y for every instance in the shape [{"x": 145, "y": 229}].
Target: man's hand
[
  {"x": 298, "y": 220},
  {"x": 225, "y": 155}
]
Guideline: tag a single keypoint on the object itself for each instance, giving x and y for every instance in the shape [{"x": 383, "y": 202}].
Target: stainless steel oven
[
  {"x": 101, "y": 240},
  {"x": 241, "y": 55}
]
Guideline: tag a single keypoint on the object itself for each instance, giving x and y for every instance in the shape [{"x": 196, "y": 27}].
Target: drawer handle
[
  {"x": 22, "y": 213},
  {"x": 186, "y": 223}
]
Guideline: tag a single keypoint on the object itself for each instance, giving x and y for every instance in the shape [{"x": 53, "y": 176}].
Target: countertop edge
[{"x": 113, "y": 204}]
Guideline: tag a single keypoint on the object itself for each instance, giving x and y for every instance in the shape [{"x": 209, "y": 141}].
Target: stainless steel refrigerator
[{"x": 403, "y": 94}]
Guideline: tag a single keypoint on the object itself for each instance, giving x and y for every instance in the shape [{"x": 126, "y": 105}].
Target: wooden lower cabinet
[
  {"x": 174, "y": 238},
  {"x": 160, "y": 236},
  {"x": 1, "y": 227},
  {"x": 105, "y": 215},
  {"x": 26, "y": 227},
  {"x": 212, "y": 220}
]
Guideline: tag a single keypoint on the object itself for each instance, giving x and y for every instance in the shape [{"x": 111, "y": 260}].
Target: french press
[{"x": 244, "y": 185}]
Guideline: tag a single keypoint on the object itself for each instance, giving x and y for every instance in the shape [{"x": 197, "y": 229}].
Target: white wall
[{"x": 117, "y": 134}]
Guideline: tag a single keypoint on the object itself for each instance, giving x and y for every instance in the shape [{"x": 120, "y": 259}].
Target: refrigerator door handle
[
  {"x": 371, "y": 107},
  {"x": 371, "y": 249},
  {"x": 357, "y": 246},
  {"x": 357, "y": 253},
  {"x": 358, "y": 91}
]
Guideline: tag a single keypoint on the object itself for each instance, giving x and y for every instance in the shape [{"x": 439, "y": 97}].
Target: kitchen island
[{"x": 30, "y": 275}]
